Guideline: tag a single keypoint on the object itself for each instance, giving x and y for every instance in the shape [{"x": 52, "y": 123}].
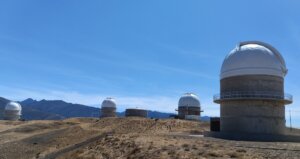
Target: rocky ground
[{"x": 90, "y": 138}]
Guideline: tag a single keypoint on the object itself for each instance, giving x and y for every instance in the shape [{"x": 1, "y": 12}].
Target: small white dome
[
  {"x": 189, "y": 99},
  {"x": 13, "y": 106},
  {"x": 253, "y": 58},
  {"x": 109, "y": 102}
]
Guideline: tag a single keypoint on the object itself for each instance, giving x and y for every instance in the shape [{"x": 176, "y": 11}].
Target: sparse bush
[
  {"x": 194, "y": 147},
  {"x": 214, "y": 154},
  {"x": 185, "y": 145},
  {"x": 186, "y": 149},
  {"x": 206, "y": 145},
  {"x": 233, "y": 155},
  {"x": 241, "y": 150}
]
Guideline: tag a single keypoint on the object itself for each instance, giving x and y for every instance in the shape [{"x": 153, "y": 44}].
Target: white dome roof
[
  {"x": 189, "y": 99},
  {"x": 253, "y": 58},
  {"x": 13, "y": 106},
  {"x": 109, "y": 102}
]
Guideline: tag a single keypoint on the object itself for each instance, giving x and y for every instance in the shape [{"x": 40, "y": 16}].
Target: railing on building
[{"x": 234, "y": 95}]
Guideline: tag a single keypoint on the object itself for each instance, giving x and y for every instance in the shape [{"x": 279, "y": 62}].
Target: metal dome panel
[
  {"x": 109, "y": 102},
  {"x": 189, "y": 99},
  {"x": 13, "y": 106},
  {"x": 253, "y": 58}
]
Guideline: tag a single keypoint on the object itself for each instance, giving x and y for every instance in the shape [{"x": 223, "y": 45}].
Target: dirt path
[{"x": 74, "y": 147}]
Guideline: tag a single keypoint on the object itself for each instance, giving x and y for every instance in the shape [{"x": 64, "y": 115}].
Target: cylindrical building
[
  {"x": 12, "y": 111},
  {"x": 189, "y": 107},
  {"x": 108, "y": 108},
  {"x": 252, "y": 95},
  {"x": 136, "y": 112}
]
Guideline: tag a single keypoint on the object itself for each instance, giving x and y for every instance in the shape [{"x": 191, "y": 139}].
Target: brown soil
[{"x": 90, "y": 138}]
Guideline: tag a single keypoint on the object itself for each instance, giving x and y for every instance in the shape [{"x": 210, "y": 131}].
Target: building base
[{"x": 254, "y": 137}]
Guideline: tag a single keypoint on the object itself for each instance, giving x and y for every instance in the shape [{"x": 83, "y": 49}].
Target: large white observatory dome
[
  {"x": 253, "y": 58},
  {"x": 189, "y": 99},
  {"x": 13, "y": 106},
  {"x": 109, "y": 103}
]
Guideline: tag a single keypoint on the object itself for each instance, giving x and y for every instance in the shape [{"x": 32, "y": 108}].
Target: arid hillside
[{"x": 89, "y": 138}]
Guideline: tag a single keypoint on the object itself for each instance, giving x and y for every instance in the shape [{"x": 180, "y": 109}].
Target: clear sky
[{"x": 143, "y": 53}]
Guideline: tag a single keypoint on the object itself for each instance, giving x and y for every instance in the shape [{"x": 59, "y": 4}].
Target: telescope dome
[
  {"x": 109, "y": 103},
  {"x": 13, "y": 106},
  {"x": 189, "y": 99},
  {"x": 253, "y": 58}
]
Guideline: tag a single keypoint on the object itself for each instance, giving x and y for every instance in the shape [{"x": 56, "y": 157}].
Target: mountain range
[{"x": 58, "y": 109}]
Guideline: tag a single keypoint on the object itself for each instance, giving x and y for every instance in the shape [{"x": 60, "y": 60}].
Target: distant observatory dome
[
  {"x": 14, "y": 106},
  {"x": 109, "y": 102},
  {"x": 12, "y": 111},
  {"x": 189, "y": 99},
  {"x": 108, "y": 108},
  {"x": 253, "y": 58},
  {"x": 189, "y": 107}
]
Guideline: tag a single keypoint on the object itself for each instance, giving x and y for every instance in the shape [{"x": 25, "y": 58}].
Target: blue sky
[{"x": 143, "y": 53}]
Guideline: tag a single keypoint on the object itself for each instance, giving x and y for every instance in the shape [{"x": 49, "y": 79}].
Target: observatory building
[
  {"x": 252, "y": 98},
  {"x": 108, "y": 108},
  {"x": 189, "y": 107},
  {"x": 12, "y": 111},
  {"x": 136, "y": 112}
]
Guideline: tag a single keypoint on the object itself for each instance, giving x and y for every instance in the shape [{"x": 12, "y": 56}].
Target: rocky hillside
[{"x": 130, "y": 138}]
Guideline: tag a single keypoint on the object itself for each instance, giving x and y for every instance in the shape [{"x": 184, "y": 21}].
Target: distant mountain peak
[{"x": 28, "y": 101}]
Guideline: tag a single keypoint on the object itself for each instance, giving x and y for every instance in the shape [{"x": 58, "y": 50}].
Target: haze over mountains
[{"x": 58, "y": 109}]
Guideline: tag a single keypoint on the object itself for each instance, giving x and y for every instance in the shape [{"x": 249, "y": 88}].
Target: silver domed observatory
[
  {"x": 108, "y": 108},
  {"x": 189, "y": 107},
  {"x": 12, "y": 111},
  {"x": 252, "y": 94}
]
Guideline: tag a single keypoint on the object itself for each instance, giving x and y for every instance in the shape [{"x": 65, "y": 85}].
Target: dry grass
[{"x": 90, "y": 138}]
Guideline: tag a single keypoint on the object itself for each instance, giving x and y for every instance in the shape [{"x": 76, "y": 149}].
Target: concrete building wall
[
  {"x": 188, "y": 110},
  {"x": 136, "y": 113},
  {"x": 108, "y": 112},
  {"x": 11, "y": 115},
  {"x": 253, "y": 83},
  {"x": 255, "y": 115}
]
